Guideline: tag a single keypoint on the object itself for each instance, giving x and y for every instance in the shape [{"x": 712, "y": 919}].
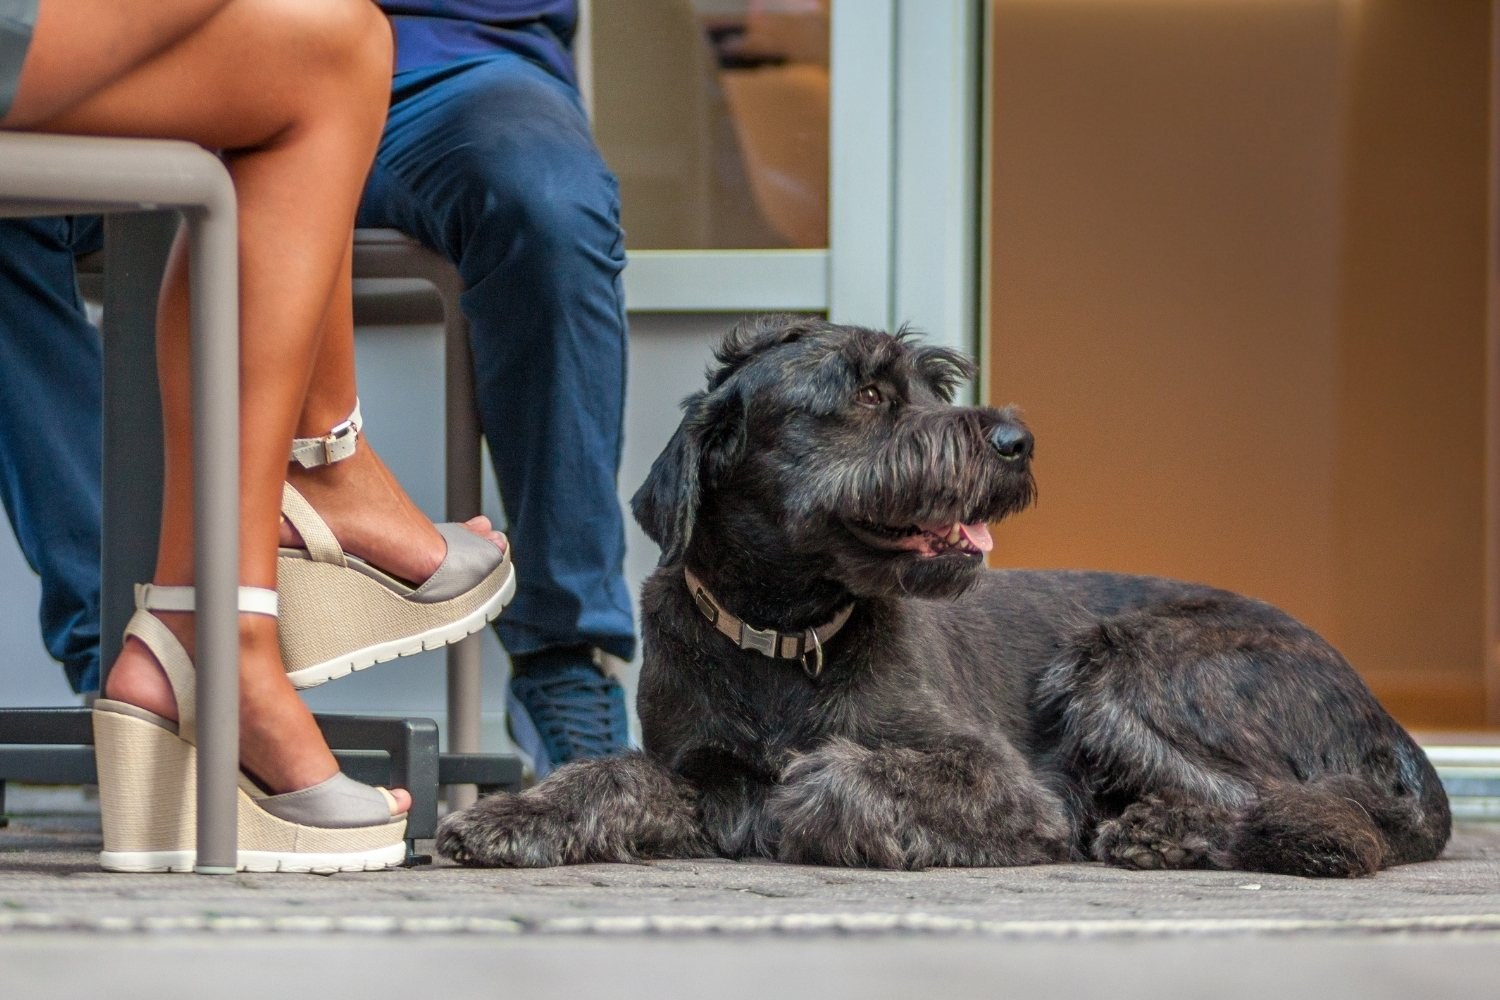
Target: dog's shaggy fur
[{"x": 964, "y": 717}]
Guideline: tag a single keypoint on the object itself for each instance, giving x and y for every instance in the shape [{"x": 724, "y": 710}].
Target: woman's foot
[
  {"x": 373, "y": 518},
  {"x": 281, "y": 747}
]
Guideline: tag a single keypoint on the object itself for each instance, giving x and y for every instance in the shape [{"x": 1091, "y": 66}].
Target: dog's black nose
[{"x": 1012, "y": 442}]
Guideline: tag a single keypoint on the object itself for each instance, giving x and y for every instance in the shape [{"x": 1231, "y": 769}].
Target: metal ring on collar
[{"x": 814, "y": 668}]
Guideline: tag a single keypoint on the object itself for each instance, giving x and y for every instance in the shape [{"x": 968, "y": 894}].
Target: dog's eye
[{"x": 869, "y": 396}]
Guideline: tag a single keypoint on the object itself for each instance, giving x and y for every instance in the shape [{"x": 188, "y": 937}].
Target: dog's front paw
[
  {"x": 1159, "y": 833},
  {"x": 901, "y": 807},
  {"x": 503, "y": 831},
  {"x": 829, "y": 812}
]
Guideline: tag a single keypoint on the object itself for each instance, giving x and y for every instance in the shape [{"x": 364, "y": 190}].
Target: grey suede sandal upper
[{"x": 335, "y": 804}]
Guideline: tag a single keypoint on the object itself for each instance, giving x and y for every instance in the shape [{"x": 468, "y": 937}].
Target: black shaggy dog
[{"x": 831, "y": 676}]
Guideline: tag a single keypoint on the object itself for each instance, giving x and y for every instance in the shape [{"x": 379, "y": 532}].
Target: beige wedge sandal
[
  {"x": 341, "y": 614},
  {"x": 148, "y": 780}
]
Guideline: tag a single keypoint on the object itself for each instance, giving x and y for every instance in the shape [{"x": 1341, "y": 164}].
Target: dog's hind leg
[
  {"x": 1317, "y": 829},
  {"x": 1331, "y": 826},
  {"x": 1221, "y": 733},
  {"x": 627, "y": 808},
  {"x": 959, "y": 801}
]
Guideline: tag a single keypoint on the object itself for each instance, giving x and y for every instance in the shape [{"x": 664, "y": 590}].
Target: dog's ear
[{"x": 704, "y": 448}]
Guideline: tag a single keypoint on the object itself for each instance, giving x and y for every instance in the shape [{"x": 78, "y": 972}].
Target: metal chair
[
  {"x": 52, "y": 745},
  {"x": 386, "y": 253},
  {"x": 62, "y": 175}
]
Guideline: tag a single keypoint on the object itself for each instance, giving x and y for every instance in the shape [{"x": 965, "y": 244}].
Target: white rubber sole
[
  {"x": 434, "y": 638},
  {"x": 142, "y": 862}
]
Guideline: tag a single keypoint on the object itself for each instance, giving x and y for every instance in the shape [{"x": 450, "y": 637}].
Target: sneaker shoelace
[{"x": 572, "y": 708}]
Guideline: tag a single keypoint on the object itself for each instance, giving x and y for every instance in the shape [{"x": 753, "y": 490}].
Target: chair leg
[
  {"x": 462, "y": 472},
  {"x": 136, "y": 247},
  {"x": 412, "y": 745},
  {"x": 213, "y": 264}
]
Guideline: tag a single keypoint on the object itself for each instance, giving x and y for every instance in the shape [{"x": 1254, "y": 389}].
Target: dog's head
[{"x": 840, "y": 447}]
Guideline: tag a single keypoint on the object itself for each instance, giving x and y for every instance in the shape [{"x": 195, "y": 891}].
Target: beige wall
[{"x": 1238, "y": 282}]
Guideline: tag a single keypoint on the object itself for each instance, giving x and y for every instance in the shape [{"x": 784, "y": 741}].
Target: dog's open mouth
[{"x": 927, "y": 540}]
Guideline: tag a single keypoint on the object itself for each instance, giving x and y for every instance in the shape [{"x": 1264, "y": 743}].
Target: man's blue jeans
[
  {"x": 488, "y": 161},
  {"x": 50, "y": 381}
]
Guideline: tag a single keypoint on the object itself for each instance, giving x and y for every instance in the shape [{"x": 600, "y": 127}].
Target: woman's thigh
[
  {"x": 79, "y": 46},
  {"x": 247, "y": 77}
]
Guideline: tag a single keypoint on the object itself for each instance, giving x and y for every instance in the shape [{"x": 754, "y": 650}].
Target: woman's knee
[{"x": 342, "y": 45}]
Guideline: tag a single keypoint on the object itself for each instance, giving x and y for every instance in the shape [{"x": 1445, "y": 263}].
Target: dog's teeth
[{"x": 953, "y": 535}]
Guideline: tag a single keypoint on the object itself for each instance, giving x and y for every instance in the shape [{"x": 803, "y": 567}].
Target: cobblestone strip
[{"x": 790, "y": 924}]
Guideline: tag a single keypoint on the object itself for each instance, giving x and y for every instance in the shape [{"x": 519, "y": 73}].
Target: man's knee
[
  {"x": 561, "y": 206},
  {"x": 524, "y": 178}
]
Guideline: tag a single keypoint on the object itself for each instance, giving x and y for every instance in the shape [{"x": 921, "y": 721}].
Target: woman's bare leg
[
  {"x": 364, "y": 505},
  {"x": 294, "y": 91}
]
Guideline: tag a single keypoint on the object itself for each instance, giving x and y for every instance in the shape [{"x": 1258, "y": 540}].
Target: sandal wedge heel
[
  {"x": 148, "y": 782},
  {"x": 340, "y": 614}
]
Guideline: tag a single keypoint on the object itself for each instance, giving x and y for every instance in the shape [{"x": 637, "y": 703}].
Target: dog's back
[{"x": 1140, "y": 687}]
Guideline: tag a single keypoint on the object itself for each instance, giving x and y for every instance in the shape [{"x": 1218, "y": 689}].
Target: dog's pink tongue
[{"x": 978, "y": 535}]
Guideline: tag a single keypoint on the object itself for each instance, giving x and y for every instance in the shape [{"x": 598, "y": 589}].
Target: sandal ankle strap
[
  {"x": 335, "y": 446},
  {"x": 154, "y": 597},
  {"x": 169, "y": 652}
]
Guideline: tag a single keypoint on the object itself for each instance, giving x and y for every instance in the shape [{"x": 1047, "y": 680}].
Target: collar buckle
[{"x": 763, "y": 641}]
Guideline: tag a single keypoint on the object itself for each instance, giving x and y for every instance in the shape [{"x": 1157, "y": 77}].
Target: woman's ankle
[{"x": 370, "y": 514}]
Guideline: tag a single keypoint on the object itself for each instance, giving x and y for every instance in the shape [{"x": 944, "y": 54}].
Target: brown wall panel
[{"x": 1237, "y": 281}]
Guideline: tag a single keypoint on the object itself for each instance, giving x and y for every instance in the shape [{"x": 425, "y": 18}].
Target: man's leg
[
  {"x": 49, "y": 430},
  {"x": 491, "y": 163}
]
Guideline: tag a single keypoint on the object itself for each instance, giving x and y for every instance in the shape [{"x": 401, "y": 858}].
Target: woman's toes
[
  {"x": 482, "y": 527},
  {"x": 403, "y": 800}
]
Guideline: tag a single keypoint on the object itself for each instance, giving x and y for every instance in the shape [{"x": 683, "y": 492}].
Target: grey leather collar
[{"x": 805, "y": 646}]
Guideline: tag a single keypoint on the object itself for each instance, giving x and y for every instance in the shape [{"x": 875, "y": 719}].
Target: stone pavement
[{"x": 742, "y": 929}]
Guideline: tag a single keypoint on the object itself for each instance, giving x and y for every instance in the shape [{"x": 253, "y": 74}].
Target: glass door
[{"x": 805, "y": 155}]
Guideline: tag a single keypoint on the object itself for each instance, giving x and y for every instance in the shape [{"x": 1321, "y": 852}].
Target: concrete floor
[{"x": 726, "y": 929}]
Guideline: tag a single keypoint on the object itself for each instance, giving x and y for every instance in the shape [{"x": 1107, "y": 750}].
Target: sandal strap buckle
[{"x": 335, "y": 446}]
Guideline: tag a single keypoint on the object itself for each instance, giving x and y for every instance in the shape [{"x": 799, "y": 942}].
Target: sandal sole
[{"x": 159, "y": 862}]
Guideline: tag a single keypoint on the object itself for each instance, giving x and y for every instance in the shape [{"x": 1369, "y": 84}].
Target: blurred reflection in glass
[{"x": 714, "y": 115}]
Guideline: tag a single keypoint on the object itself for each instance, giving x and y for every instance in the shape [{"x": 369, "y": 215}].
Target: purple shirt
[{"x": 434, "y": 32}]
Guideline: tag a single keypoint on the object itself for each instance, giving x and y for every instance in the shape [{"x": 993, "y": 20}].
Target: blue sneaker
[{"x": 560, "y": 712}]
